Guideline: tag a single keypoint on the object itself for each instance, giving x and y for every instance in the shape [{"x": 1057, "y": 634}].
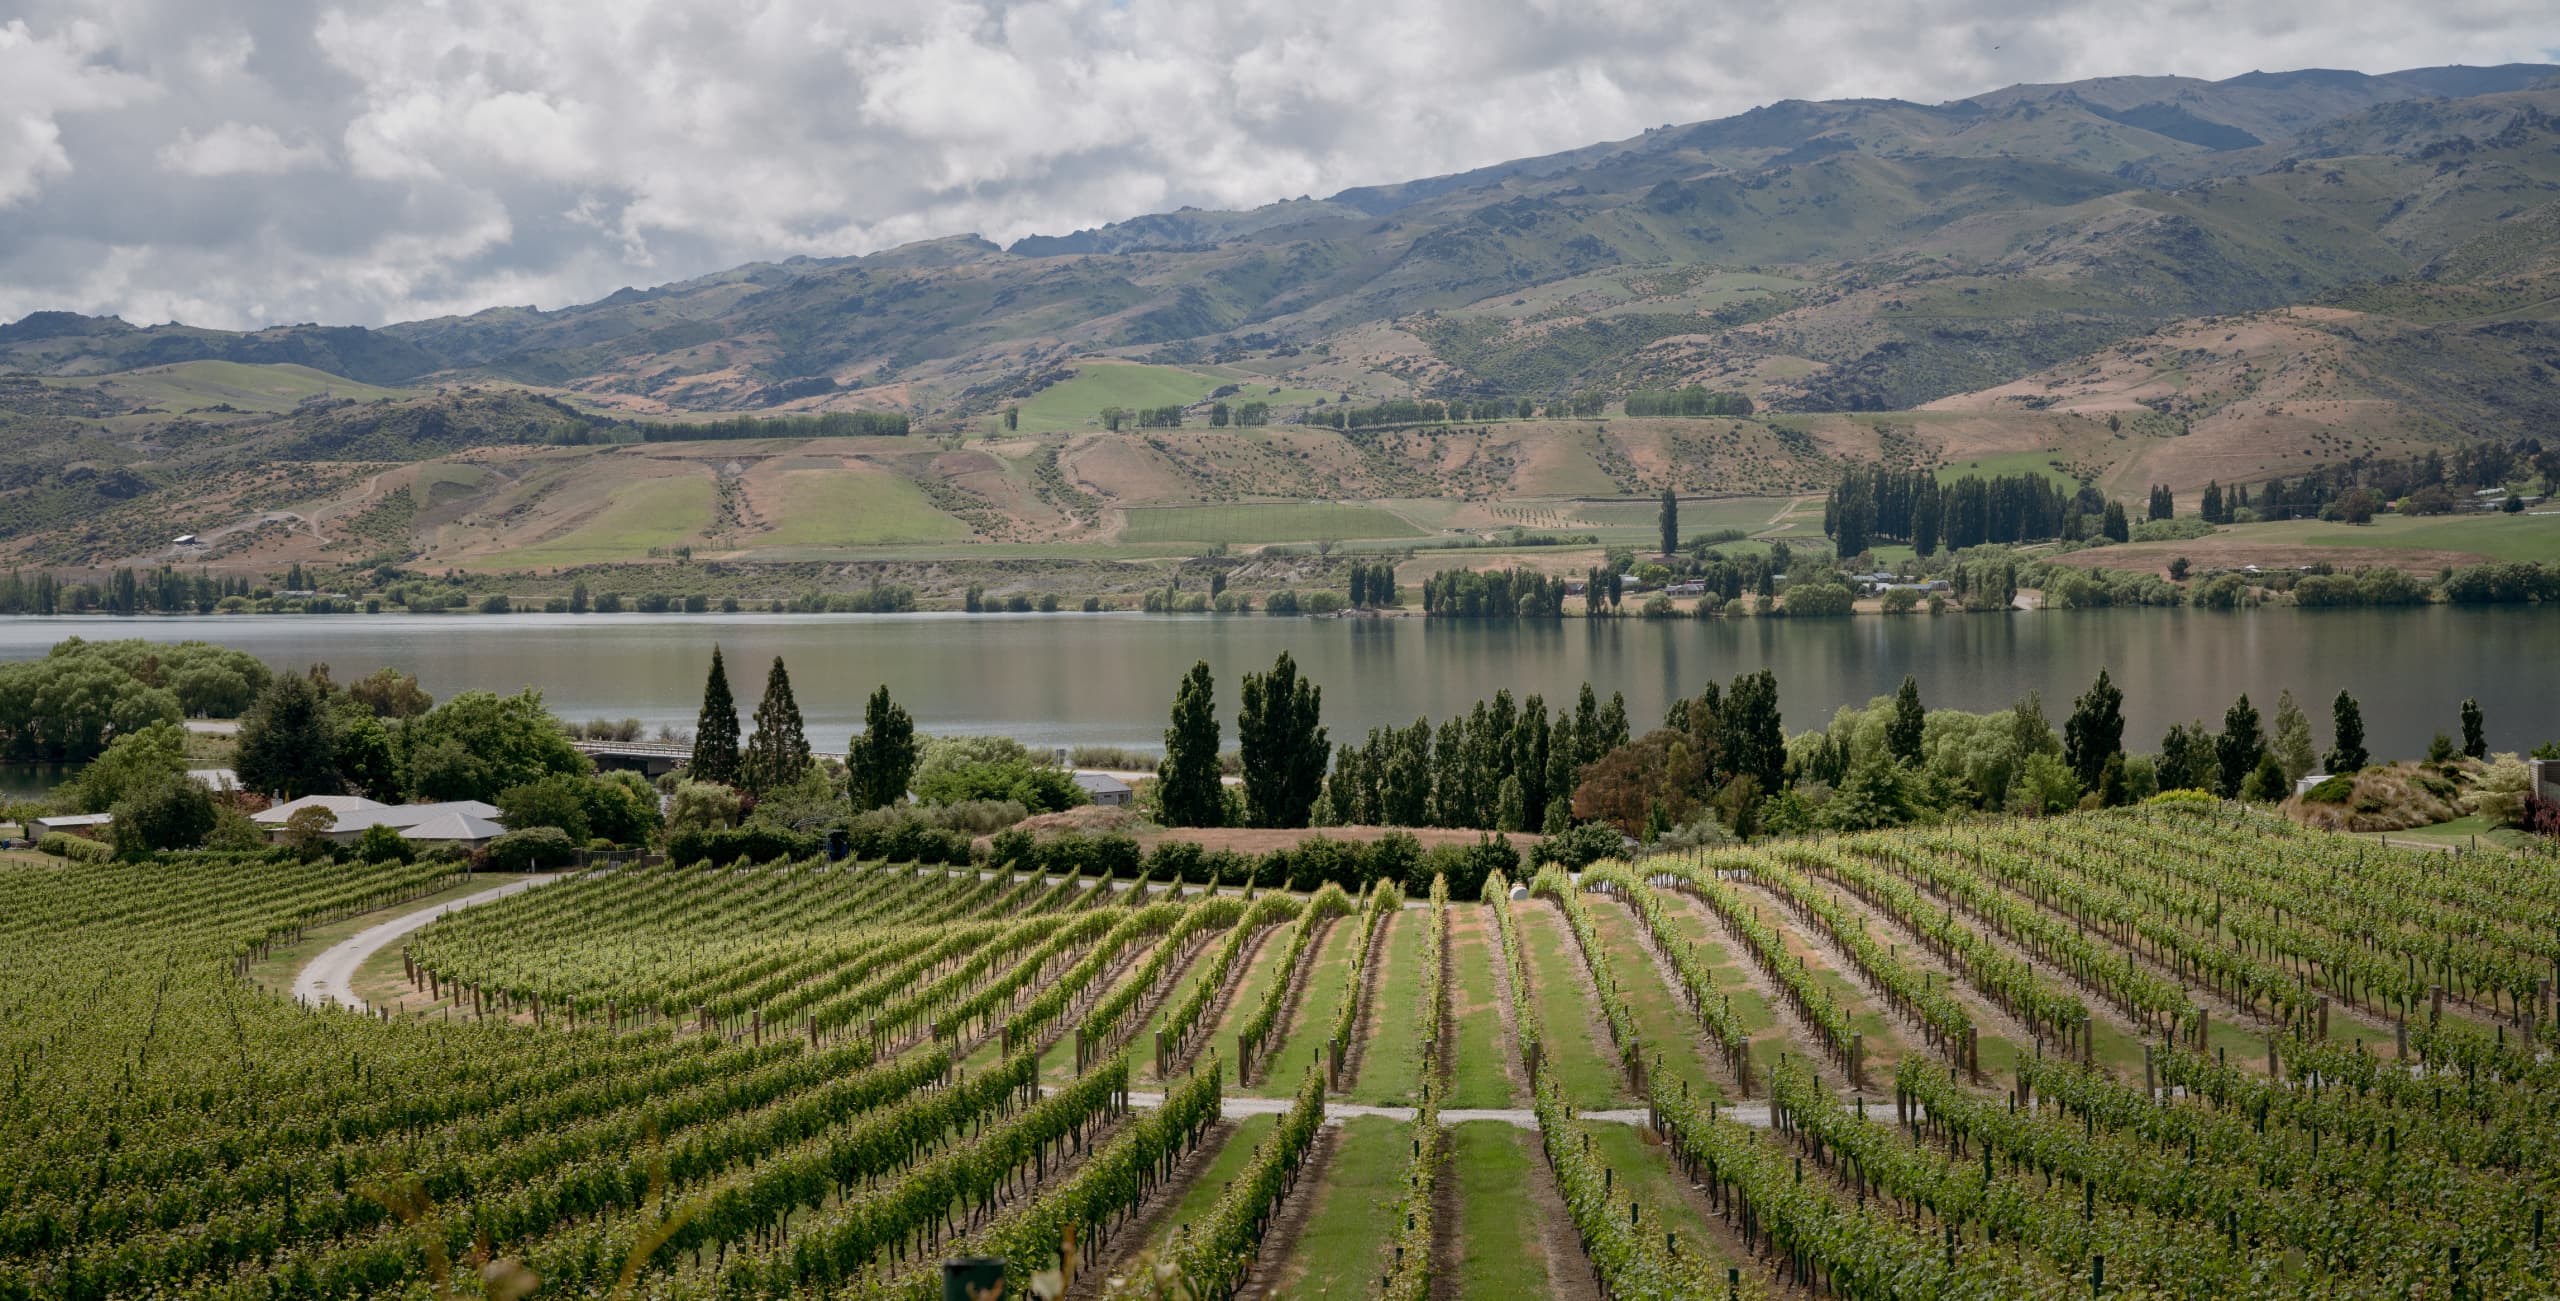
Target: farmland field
[
  {"x": 1076, "y": 402},
  {"x": 1276, "y": 522},
  {"x": 842, "y": 508},
  {"x": 2180, "y": 1050},
  {"x": 661, "y": 512}
]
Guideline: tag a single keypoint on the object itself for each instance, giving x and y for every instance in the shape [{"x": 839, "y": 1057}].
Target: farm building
[
  {"x": 468, "y": 823},
  {"x": 1104, "y": 789},
  {"x": 91, "y": 825}
]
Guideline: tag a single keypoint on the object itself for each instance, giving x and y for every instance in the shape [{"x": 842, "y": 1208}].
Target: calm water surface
[{"x": 1108, "y": 678}]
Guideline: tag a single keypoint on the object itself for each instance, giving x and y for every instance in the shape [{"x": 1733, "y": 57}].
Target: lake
[{"x": 1061, "y": 679}]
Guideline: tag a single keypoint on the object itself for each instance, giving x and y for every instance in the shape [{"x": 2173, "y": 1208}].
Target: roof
[
  {"x": 342, "y": 805},
  {"x": 355, "y": 813},
  {"x": 1101, "y": 783},
  {"x": 453, "y": 826},
  {"x": 77, "y": 820},
  {"x": 412, "y": 815}
]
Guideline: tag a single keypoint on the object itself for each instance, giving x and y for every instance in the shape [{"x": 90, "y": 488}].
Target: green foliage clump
[
  {"x": 79, "y": 849},
  {"x": 531, "y": 850}
]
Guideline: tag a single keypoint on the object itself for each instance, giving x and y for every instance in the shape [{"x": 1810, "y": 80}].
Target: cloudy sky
[{"x": 248, "y": 162}]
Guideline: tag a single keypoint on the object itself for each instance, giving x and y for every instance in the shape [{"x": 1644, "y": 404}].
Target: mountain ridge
[{"x": 2099, "y": 275}]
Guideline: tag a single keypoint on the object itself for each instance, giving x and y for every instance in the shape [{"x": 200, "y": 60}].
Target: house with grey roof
[
  {"x": 1104, "y": 789},
  {"x": 468, "y": 823}
]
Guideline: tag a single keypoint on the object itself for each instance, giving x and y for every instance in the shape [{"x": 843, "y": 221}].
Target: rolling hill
[{"x": 2141, "y": 279}]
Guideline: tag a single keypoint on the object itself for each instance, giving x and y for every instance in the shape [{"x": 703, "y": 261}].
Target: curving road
[{"x": 328, "y": 978}]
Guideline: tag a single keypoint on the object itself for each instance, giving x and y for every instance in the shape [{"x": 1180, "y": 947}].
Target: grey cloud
[{"x": 245, "y": 162}]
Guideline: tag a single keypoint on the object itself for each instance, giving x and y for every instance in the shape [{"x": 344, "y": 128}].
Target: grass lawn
[
  {"x": 189, "y": 385},
  {"x": 2459, "y": 832},
  {"x": 1586, "y": 1066},
  {"x": 1077, "y": 401},
  {"x": 1203, "y": 1194},
  {"x": 2500, "y": 537},
  {"x": 2048, "y": 464},
  {"x": 671, "y": 511},
  {"x": 1059, "y": 1063},
  {"x": 1477, "y": 1078},
  {"x": 1391, "y": 1062},
  {"x": 277, "y": 970},
  {"x": 1502, "y": 1245},
  {"x": 1258, "y": 976},
  {"x": 1689, "y": 920},
  {"x": 1319, "y": 1000},
  {"x": 1643, "y": 1178},
  {"x": 851, "y": 508},
  {"x": 1671, "y": 1035},
  {"x": 1342, "y": 1251},
  {"x": 1268, "y": 522},
  {"x": 1075, "y": 404},
  {"x": 1710, "y": 515}
]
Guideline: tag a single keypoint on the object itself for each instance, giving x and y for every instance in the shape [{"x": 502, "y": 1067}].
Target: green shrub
[
  {"x": 79, "y": 849},
  {"x": 2335, "y": 790},
  {"x": 1012, "y": 847},
  {"x": 532, "y": 850},
  {"x": 721, "y": 846},
  {"x": 1579, "y": 846},
  {"x": 381, "y": 844}
]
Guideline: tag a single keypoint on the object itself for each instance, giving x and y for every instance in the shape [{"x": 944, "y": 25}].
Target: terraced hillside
[{"x": 2181, "y": 1050}]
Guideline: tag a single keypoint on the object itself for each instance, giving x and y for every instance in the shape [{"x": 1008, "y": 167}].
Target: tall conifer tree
[
  {"x": 779, "y": 751},
  {"x": 715, "y": 730},
  {"x": 880, "y": 762},
  {"x": 2094, "y": 731},
  {"x": 1280, "y": 730},
  {"x": 1188, "y": 776},
  {"x": 2346, "y": 743},
  {"x": 1909, "y": 723}
]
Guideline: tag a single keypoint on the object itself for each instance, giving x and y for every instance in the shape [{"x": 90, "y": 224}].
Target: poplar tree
[
  {"x": 1188, "y": 777},
  {"x": 2475, "y": 740},
  {"x": 2346, "y": 745},
  {"x": 2240, "y": 746},
  {"x": 880, "y": 762},
  {"x": 715, "y": 730},
  {"x": 2292, "y": 744},
  {"x": 1670, "y": 521},
  {"x": 1902, "y": 734},
  {"x": 779, "y": 751},
  {"x": 2094, "y": 731},
  {"x": 1280, "y": 730},
  {"x": 1755, "y": 740}
]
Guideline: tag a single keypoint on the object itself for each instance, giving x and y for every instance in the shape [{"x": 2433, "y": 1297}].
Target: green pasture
[
  {"x": 851, "y": 508},
  {"x": 1268, "y": 522},
  {"x": 665, "y": 512}
]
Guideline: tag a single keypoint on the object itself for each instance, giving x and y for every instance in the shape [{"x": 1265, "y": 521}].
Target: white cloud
[
  {"x": 236, "y": 149},
  {"x": 428, "y": 158},
  {"x": 42, "y": 78}
]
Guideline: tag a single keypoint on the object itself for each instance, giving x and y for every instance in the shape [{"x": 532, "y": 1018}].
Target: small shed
[
  {"x": 1104, "y": 789},
  {"x": 90, "y": 825}
]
